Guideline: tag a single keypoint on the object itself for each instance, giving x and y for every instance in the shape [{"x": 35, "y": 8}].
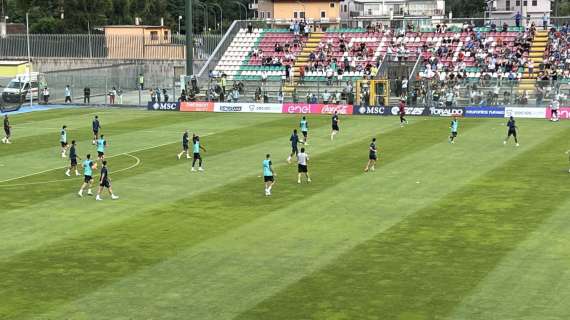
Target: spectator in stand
[
  {"x": 157, "y": 92},
  {"x": 249, "y": 28},
  {"x": 280, "y": 97},
  {"x": 545, "y": 22},
  {"x": 152, "y": 94},
  {"x": 235, "y": 95},
  {"x": 302, "y": 71},
  {"x": 86, "y": 95},
  {"x": 264, "y": 77},
  {"x": 164, "y": 94},
  {"x": 518, "y": 18},
  {"x": 314, "y": 99},
  {"x": 326, "y": 97}
]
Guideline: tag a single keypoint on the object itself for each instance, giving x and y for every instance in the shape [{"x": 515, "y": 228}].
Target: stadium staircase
[
  {"x": 303, "y": 59},
  {"x": 536, "y": 55}
]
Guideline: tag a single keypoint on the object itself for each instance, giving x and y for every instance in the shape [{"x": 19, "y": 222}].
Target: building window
[
  {"x": 518, "y": 3},
  {"x": 166, "y": 35},
  {"x": 332, "y": 4},
  {"x": 258, "y": 16},
  {"x": 323, "y": 14},
  {"x": 268, "y": 15},
  {"x": 525, "y": 3},
  {"x": 154, "y": 35},
  {"x": 295, "y": 15},
  {"x": 302, "y": 14},
  {"x": 508, "y": 5},
  {"x": 345, "y": 8},
  {"x": 534, "y": 4},
  {"x": 369, "y": 12}
]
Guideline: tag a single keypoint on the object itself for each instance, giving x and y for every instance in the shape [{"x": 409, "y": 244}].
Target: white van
[{"x": 18, "y": 90}]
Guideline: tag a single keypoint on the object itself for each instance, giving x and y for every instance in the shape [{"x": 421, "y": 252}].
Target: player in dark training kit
[
  {"x": 402, "y": 112},
  {"x": 335, "y": 122},
  {"x": 105, "y": 182},
  {"x": 185, "y": 145},
  {"x": 294, "y": 148},
  {"x": 372, "y": 156},
  {"x": 96, "y": 127},
  {"x": 73, "y": 160},
  {"x": 7, "y": 130},
  {"x": 512, "y": 131},
  {"x": 88, "y": 167}
]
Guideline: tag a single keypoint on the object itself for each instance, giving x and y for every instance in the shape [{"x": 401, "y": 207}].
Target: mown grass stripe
[
  {"x": 79, "y": 266},
  {"x": 424, "y": 266}
]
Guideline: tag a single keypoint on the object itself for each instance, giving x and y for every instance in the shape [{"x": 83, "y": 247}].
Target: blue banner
[
  {"x": 484, "y": 112},
  {"x": 163, "y": 106}
]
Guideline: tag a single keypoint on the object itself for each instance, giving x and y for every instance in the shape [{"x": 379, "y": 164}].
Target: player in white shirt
[{"x": 302, "y": 161}]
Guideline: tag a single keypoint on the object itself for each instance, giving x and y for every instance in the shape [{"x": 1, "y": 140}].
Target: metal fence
[{"x": 128, "y": 47}]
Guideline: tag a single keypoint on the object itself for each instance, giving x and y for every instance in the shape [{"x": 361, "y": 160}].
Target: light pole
[
  {"x": 243, "y": 6},
  {"x": 221, "y": 17},
  {"x": 29, "y": 60},
  {"x": 179, "y": 20},
  {"x": 189, "y": 39},
  {"x": 205, "y": 14}
]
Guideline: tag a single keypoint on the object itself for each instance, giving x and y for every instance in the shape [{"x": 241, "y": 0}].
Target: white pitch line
[
  {"x": 138, "y": 161},
  {"x": 120, "y": 154}
]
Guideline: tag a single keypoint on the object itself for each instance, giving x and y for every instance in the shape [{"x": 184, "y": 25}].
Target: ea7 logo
[{"x": 413, "y": 111}]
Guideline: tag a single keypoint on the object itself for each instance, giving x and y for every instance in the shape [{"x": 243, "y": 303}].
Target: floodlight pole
[
  {"x": 30, "y": 62},
  {"x": 189, "y": 39}
]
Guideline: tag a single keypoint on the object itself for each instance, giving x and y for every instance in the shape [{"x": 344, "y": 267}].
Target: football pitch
[{"x": 474, "y": 230}]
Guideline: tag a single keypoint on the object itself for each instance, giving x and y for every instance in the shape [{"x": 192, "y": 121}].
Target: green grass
[{"x": 475, "y": 230}]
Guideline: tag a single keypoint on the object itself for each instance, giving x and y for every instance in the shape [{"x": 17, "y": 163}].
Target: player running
[
  {"x": 185, "y": 145},
  {"x": 63, "y": 141},
  {"x": 105, "y": 182},
  {"x": 96, "y": 127},
  {"x": 7, "y": 130},
  {"x": 512, "y": 131},
  {"x": 302, "y": 165},
  {"x": 372, "y": 156},
  {"x": 73, "y": 160},
  {"x": 304, "y": 125},
  {"x": 402, "y": 113},
  {"x": 335, "y": 122},
  {"x": 454, "y": 126},
  {"x": 268, "y": 174},
  {"x": 101, "y": 145},
  {"x": 88, "y": 167},
  {"x": 196, "y": 151},
  {"x": 294, "y": 145}
]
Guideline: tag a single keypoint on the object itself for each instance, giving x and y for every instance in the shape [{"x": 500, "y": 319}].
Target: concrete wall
[{"x": 285, "y": 9}]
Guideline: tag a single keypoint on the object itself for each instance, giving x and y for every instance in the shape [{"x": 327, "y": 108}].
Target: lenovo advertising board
[
  {"x": 563, "y": 113},
  {"x": 518, "y": 112}
]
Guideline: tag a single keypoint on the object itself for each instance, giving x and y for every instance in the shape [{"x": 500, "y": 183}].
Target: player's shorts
[
  {"x": 105, "y": 183},
  {"x": 335, "y": 127},
  {"x": 87, "y": 179},
  {"x": 197, "y": 156},
  {"x": 294, "y": 149},
  {"x": 268, "y": 179},
  {"x": 454, "y": 134},
  {"x": 305, "y": 133},
  {"x": 73, "y": 162},
  {"x": 302, "y": 168},
  {"x": 185, "y": 146},
  {"x": 512, "y": 133},
  {"x": 372, "y": 156},
  {"x": 63, "y": 144},
  {"x": 100, "y": 154},
  {"x": 96, "y": 132}
]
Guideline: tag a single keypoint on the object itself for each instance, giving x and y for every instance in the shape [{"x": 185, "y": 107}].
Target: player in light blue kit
[
  {"x": 101, "y": 145},
  {"x": 268, "y": 174},
  {"x": 304, "y": 125},
  {"x": 88, "y": 167},
  {"x": 454, "y": 126}
]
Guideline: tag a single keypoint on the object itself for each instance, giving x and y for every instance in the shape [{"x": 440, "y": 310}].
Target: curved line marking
[{"x": 138, "y": 161}]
